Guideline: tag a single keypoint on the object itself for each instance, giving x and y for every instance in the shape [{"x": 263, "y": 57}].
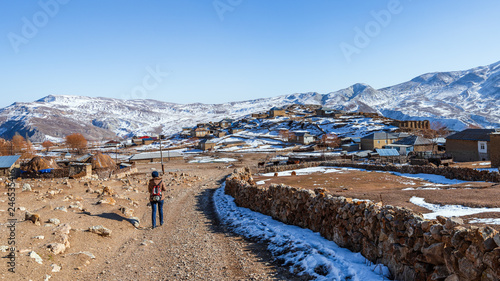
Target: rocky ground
[{"x": 89, "y": 229}]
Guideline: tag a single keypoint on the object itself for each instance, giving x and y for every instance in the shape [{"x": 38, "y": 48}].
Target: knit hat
[{"x": 155, "y": 174}]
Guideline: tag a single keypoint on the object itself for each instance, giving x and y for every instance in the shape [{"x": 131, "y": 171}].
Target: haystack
[
  {"x": 101, "y": 161},
  {"x": 38, "y": 163}
]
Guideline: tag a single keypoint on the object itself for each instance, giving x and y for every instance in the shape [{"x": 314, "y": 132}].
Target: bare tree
[
  {"x": 437, "y": 130},
  {"x": 47, "y": 145},
  {"x": 76, "y": 142}
]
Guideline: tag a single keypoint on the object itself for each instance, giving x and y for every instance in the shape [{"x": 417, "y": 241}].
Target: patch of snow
[
  {"x": 211, "y": 160},
  {"x": 485, "y": 221},
  {"x": 302, "y": 250},
  {"x": 449, "y": 210}
]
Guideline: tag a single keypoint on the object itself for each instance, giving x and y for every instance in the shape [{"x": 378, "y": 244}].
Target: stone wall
[
  {"x": 466, "y": 174},
  {"x": 413, "y": 248},
  {"x": 495, "y": 150}
]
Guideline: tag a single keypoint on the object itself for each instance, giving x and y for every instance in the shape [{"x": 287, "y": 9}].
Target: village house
[
  {"x": 9, "y": 165},
  {"x": 260, "y": 115},
  {"x": 220, "y": 133},
  {"x": 226, "y": 122},
  {"x": 207, "y": 144},
  {"x": 495, "y": 149},
  {"x": 112, "y": 143},
  {"x": 380, "y": 139},
  {"x": 469, "y": 145},
  {"x": 274, "y": 112},
  {"x": 199, "y": 132},
  {"x": 186, "y": 132},
  {"x": 235, "y": 130},
  {"x": 412, "y": 143},
  {"x": 329, "y": 112},
  {"x": 304, "y": 137},
  {"x": 148, "y": 140}
]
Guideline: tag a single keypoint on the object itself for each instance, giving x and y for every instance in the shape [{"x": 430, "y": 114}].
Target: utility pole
[{"x": 161, "y": 156}]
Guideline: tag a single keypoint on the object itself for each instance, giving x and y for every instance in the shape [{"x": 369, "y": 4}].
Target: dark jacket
[{"x": 152, "y": 183}]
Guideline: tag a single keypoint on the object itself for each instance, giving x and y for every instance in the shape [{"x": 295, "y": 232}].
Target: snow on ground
[
  {"x": 486, "y": 221},
  {"x": 449, "y": 210},
  {"x": 307, "y": 171},
  {"x": 206, "y": 159},
  {"x": 302, "y": 250},
  {"x": 491, "y": 170}
]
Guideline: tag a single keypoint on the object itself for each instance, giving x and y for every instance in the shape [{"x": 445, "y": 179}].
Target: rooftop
[
  {"x": 472, "y": 134},
  {"x": 8, "y": 161}
]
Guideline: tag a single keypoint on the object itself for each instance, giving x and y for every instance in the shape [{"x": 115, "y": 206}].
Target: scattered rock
[
  {"x": 26, "y": 187},
  {"x": 88, "y": 254},
  {"x": 55, "y": 267},
  {"x": 108, "y": 200},
  {"x": 128, "y": 212},
  {"x": 35, "y": 218},
  {"x": 100, "y": 230},
  {"x": 54, "y": 221},
  {"x": 56, "y": 248},
  {"x": 64, "y": 209},
  {"x": 40, "y": 237},
  {"x": 4, "y": 248},
  {"x": 63, "y": 229},
  {"x": 36, "y": 257},
  {"x": 47, "y": 277}
]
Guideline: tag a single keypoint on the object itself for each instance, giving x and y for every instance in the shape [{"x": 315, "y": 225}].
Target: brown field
[{"x": 389, "y": 189}]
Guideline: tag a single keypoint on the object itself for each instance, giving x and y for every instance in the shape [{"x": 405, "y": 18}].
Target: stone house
[
  {"x": 380, "y": 139},
  {"x": 329, "y": 112},
  {"x": 274, "y": 112},
  {"x": 469, "y": 145},
  {"x": 417, "y": 143},
  {"x": 304, "y": 137},
  {"x": 207, "y": 144},
  {"x": 199, "y": 132},
  {"x": 495, "y": 149}
]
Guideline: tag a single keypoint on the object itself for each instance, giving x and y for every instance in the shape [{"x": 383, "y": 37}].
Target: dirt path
[{"x": 191, "y": 245}]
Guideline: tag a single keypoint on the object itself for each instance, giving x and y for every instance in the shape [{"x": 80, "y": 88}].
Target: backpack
[{"x": 156, "y": 194}]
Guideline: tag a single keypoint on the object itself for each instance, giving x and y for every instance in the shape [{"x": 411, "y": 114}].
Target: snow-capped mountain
[{"x": 457, "y": 98}]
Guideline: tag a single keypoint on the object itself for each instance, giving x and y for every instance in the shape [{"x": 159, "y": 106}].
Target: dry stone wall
[
  {"x": 412, "y": 247},
  {"x": 466, "y": 174}
]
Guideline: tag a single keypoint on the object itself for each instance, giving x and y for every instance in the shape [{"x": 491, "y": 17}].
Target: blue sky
[{"x": 216, "y": 51}]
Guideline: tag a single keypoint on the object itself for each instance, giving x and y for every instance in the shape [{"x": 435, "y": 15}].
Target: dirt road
[{"x": 191, "y": 245}]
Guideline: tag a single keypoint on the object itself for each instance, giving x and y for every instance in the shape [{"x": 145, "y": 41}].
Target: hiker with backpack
[{"x": 156, "y": 187}]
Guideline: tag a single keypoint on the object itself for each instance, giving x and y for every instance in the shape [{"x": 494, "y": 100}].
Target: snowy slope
[{"x": 456, "y": 98}]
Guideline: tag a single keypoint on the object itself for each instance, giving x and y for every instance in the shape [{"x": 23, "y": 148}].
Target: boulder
[
  {"x": 100, "y": 230},
  {"x": 56, "y": 248},
  {"x": 35, "y": 218},
  {"x": 26, "y": 187},
  {"x": 36, "y": 257}
]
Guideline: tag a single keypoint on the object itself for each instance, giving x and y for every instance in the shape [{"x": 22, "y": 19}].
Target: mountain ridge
[{"x": 456, "y": 98}]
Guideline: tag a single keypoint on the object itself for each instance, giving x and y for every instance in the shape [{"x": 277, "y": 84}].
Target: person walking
[{"x": 156, "y": 190}]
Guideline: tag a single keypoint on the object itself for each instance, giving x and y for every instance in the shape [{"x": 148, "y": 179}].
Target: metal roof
[
  {"x": 387, "y": 152},
  {"x": 8, "y": 161},
  {"x": 156, "y": 154},
  {"x": 385, "y": 136},
  {"x": 472, "y": 134},
  {"x": 413, "y": 140}
]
